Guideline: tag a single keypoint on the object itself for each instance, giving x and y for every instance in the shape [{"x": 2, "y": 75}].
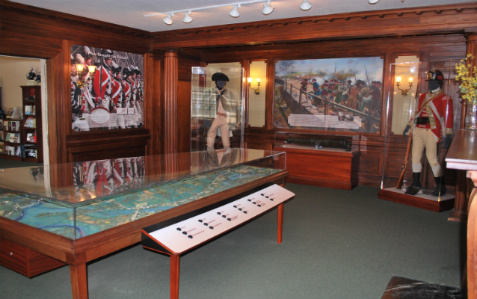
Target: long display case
[{"x": 78, "y": 212}]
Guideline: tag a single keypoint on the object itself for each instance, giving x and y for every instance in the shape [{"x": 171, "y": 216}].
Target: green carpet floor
[{"x": 336, "y": 244}]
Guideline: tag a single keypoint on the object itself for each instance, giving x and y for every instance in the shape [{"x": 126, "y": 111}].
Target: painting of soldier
[{"x": 107, "y": 90}]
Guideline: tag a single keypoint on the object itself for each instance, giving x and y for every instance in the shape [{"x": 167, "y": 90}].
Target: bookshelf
[{"x": 31, "y": 129}]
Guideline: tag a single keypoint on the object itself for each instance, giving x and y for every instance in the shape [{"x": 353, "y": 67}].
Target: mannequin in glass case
[
  {"x": 433, "y": 124},
  {"x": 223, "y": 105}
]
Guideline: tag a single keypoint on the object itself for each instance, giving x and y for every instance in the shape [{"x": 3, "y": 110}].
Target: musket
[{"x": 406, "y": 158}]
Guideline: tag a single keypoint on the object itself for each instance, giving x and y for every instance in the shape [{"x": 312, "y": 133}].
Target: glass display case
[
  {"x": 423, "y": 112},
  {"x": 321, "y": 142},
  {"x": 76, "y": 200},
  {"x": 217, "y": 108}
]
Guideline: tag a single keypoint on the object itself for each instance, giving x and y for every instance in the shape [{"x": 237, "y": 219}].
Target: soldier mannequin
[
  {"x": 225, "y": 111},
  {"x": 433, "y": 123}
]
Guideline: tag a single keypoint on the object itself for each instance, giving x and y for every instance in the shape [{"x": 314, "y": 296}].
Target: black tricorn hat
[
  {"x": 220, "y": 77},
  {"x": 435, "y": 75}
]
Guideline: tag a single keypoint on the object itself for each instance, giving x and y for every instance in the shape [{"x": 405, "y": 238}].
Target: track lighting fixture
[
  {"x": 267, "y": 9},
  {"x": 168, "y": 19},
  {"x": 305, "y": 5},
  {"x": 373, "y": 1},
  {"x": 234, "y": 12},
  {"x": 187, "y": 18}
]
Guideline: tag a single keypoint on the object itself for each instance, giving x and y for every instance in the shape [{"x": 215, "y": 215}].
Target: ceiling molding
[{"x": 300, "y": 29}]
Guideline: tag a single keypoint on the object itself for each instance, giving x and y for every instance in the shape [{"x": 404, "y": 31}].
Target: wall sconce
[
  {"x": 91, "y": 69},
  {"x": 80, "y": 68},
  {"x": 256, "y": 90},
  {"x": 404, "y": 92}
]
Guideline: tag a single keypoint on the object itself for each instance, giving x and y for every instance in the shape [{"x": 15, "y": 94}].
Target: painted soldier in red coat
[{"x": 102, "y": 80}]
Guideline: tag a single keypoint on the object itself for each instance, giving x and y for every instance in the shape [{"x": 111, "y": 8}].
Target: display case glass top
[
  {"x": 79, "y": 199},
  {"x": 80, "y": 183}
]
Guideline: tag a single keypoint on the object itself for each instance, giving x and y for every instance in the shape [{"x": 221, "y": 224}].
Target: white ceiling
[{"x": 131, "y": 13}]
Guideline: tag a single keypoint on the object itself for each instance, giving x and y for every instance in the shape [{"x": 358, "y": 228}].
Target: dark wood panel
[
  {"x": 447, "y": 45},
  {"x": 333, "y": 169},
  {"x": 107, "y": 144},
  {"x": 34, "y": 24}
]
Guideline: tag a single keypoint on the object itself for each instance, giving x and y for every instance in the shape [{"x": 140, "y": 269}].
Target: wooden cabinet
[
  {"x": 31, "y": 129},
  {"x": 24, "y": 260},
  {"x": 320, "y": 160}
]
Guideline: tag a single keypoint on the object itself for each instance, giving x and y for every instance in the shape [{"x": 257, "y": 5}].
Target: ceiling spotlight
[
  {"x": 187, "y": 18},
  {"x": 267, "y": 9},
  {"x": 168, "y": 19},
  {"x": 305, "y": 5},
  {"x": 234, "y": 12},
  {"x": 373, "y": 1}
]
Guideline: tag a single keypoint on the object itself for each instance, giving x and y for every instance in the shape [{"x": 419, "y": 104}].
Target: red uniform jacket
[{"x": 438, "y": 107}]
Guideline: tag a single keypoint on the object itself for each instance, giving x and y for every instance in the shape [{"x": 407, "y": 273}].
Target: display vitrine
[
  {"x": 217, "y": 108},
  {"x": 423, "y": 106},
  {"x": 78, "y": 212}
]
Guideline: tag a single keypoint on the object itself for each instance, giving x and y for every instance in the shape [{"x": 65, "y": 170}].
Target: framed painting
[
  {"x": 107, "y": 90},
  {"x": 337, "y": 94}
]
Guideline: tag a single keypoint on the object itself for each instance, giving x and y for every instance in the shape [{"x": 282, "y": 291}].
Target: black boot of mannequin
[
  {"x": 416, "y": 184},
  {"x": 440, "y": 187}
]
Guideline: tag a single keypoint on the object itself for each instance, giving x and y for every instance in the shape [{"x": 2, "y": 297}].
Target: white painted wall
[{"x": 13, "y": 73}]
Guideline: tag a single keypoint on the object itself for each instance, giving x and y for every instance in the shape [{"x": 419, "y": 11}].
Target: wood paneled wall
[
  {"x": 32, "y": 32},
  {"x": 437, "y": 32}
]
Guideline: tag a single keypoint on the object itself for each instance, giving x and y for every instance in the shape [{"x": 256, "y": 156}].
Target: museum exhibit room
[{"x": 238, "y": 149}]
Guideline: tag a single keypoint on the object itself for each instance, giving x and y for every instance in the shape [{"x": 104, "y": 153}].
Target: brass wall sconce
[
  {"x": 404, "y": 92},
  {"x": 80, "y": 68},
  {"x": 256, "y": 90}
]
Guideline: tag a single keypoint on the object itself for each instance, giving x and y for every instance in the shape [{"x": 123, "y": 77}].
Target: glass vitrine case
[
  {"x": 319, "y": 142},
  {"x": 76, "y": 200},
  {"x": 217, "y": 117},
  {"x": 422, "y": 105}
]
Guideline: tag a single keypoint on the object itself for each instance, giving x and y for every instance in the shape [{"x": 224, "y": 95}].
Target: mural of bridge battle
[{"x": 338, "y": 94}]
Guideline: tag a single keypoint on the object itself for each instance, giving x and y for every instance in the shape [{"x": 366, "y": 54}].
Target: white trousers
[{"x": 220, "y": 122}]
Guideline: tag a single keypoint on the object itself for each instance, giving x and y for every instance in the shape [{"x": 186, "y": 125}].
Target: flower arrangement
[{"x": 468, "y": 78}]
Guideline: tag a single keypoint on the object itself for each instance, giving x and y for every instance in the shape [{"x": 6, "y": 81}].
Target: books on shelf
[
  {"x": 30, "y": 151},
  {"x": 28, "y": 109},
  {"x": 31, "y": 137},
  {"x": 1, "y": 136},
  {"x": 13, "y": 137},
  {"x": 15, "y": 112},
  {"x": 2, "y": 147},
  {"x": 30, "y": 122},
  {"x": 12, "y": 150}
]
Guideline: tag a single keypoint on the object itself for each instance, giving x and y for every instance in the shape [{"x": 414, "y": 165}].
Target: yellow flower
[{"x": 468, "y": 79}]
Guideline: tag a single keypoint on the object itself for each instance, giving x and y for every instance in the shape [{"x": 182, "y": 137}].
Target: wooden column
[
  {"x": 152, "y": 102},
  {"x": 59, "y": 116},
  {"x": 171, "y": 76},
  {"x": 463, "y": 186}
]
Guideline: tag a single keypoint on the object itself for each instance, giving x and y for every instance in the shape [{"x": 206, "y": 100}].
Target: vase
[{"x": 471, "y": 115}]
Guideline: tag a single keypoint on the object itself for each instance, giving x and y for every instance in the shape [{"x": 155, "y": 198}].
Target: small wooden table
[{"x": 195, "y": 229}]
